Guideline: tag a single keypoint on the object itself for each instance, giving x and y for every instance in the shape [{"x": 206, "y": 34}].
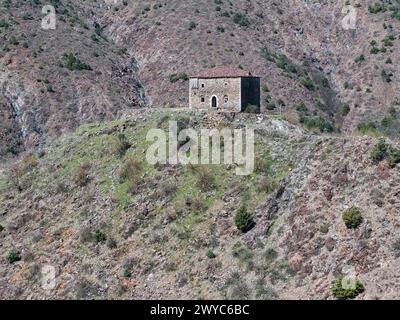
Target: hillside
[
  {"x": 287, "y": 43},
  {"x": 114, "y": 226},
  {"x": 51, "y": 81},
  {"x": 104, "y": 57}
]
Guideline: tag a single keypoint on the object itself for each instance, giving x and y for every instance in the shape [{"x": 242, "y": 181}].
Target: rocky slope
[
  {"x": 132, "y": 48},
  {"x": 53, "y": 80},
  {"x": 114, "y": 226},
  {"x": 284, "y": 42}
]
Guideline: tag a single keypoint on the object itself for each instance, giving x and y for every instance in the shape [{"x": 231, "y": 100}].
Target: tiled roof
[{"x": 223, "y": 72}]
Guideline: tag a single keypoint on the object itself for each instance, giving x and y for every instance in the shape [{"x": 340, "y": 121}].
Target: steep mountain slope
[
  {"x": 53, "y": 80},
  {"x": 285, "y": 42},
  {"x": 300, "y": 48},
  {"x": 114, "y": 226}
]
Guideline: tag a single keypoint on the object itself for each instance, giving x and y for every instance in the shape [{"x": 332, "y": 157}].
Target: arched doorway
[{"x": 214, "y": 102}]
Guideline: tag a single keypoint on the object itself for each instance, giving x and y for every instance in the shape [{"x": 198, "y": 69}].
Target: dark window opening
[
  {"x": 202, "y": 99},
  {"x": 214, "y": 102}
]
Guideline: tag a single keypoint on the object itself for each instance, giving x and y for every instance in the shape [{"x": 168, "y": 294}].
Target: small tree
[
  {"x": 379, "y": 152},
  {"x": 348, "y": 291},
  {"x": 244, "y": 220},
  {"x": 13, "y": 256},
  {"x": 352, "y": 218}
]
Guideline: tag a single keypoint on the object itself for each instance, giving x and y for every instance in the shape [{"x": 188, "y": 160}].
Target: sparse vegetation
[
  {"x": 73, "y": 63},
  {"x": 176, "y": 77}
]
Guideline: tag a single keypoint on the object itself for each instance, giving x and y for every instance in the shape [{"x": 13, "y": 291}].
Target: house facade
[{"x": 224, "y": 89}]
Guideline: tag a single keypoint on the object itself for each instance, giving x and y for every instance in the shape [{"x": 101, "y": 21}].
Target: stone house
[{"x": 226, "y": 89}]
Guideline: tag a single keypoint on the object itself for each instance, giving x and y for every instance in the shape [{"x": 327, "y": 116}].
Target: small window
[
  {"x": 202, "y": 99},
  {"x": 226, "y": 99},
  {"x": 202, "y": 85}
]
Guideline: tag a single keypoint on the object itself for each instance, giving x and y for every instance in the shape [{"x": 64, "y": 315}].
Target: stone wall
[{"x": 219, "y": 88}]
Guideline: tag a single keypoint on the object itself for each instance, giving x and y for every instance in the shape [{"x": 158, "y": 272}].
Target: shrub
[
  {"x": 205, "y": 179},
  {"x": 376, "y": 8},
  {"x": 352, "y": 218},
  {"x": 210, "y": 254},
  {"x": 99, "y": 236},
  {"x": 13, "y": 256},
  {"x": 345, "y": 109},
  {"x": 379, "y": 152},
  {"x": 122, "y": 144},
  {"x": 251, "y": 109},
  {"x": 80, "y": 176},
  {"x": 73, "y": 63},
  {"x": 387, "y": 75},
  {"x": 176, "y": 77},
  {"x": 360, "y": 58},
  {"x": 243, "y": 220},
  {"x": 308, "y": 83},
  {"x": 364, "y": 127},
  {"x": 317, "y": 122},
  {"x": 192, "y": 25},
  {"x": 241, "y": 19},
  {"x": 346, "y": 293},
  {"x": 394, "y": 157},
  {"x": 4, "y": 24},
  {"x": 130, "y": 170},
  {"x": 111, "y": 243}
]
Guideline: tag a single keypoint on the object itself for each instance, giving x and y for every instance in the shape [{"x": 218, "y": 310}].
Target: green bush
[
  {"x": 111, "y": 243},
  {"x": 251, "y": 109},
  {"x": 80, "y": 176},
  {"x": 192, "y": 25},
  {"x": 376, "y": 8},
  {"x": 346, "y": 293},
  {"x": 352, "y": 218},
  {"x": 13, "y": 256},
  {"x": 210, "y": 254},
  {"x": 345, "y": 109},
  {"x": 130, "y": 170},
  {"x": 379, "y": 152},
  {"x": 122, "y": 144},
  {"x": 308, "y": 83},
  {"x": 241, "y": 19},
  {"x": 243, "y": 220},
  {"x": 394, "y": 157},
  {"x": 205, "y": 179},
  {"x": 73, "y": 63},
  {"x": 99, "y": 236},
  {"x": 318, "y": 122},
  {"x": 387, "y": 75},
  {"x": 364, "y": 127},
  {"x": 176, "y": 77}
]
